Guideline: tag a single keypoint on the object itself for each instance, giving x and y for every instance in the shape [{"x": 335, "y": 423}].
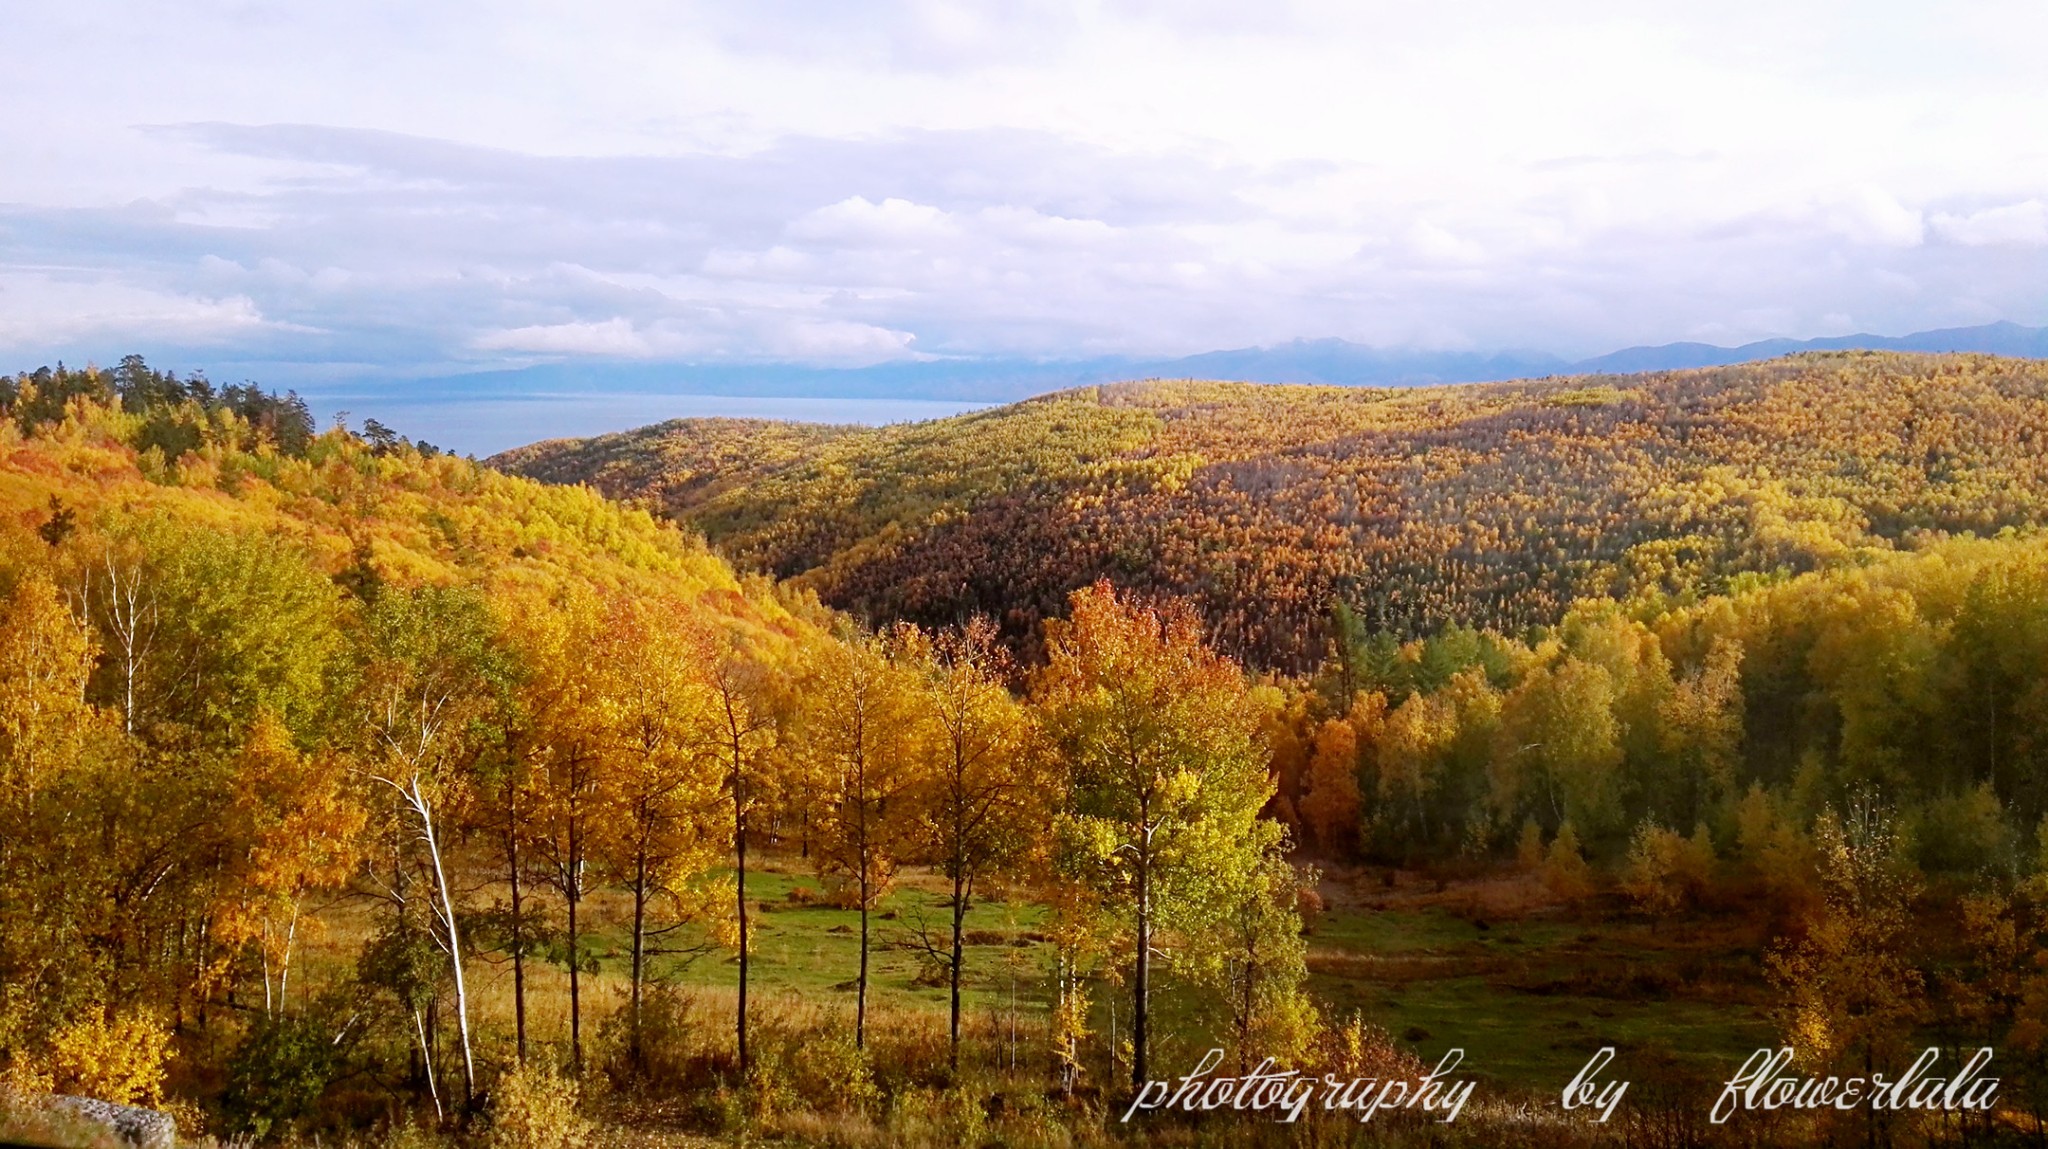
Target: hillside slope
[
  {"x": 79, "y": 459},
  {"x": 1491, "y": 504}
]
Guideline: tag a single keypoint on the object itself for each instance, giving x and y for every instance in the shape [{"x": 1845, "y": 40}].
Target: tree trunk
[
  {"x": 573, "y": 895},
  {"x": 959, "y": 918},
  {"x": 639, "y": 949},
  {"x": 427, "y": 1060},
  {"x": 860, "y": 1008},
  {"x": 1141, "y": 981},
  {"x": 1244, "y": 1025},
  {"x": 447, "y": 898},
  {"x": 739, "y": 838},
  {"x": 518, "y": 922}
]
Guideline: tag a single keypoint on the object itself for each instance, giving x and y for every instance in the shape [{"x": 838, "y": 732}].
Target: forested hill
[
  {"x": 231, "y": 500},
  {"x": 1489, "y": 504}
]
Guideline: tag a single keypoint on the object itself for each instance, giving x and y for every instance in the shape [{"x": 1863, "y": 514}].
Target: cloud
[
  {"x": 2021, "y": 224},
  {"x": 1870, "y": 214},
  {"x": 53, "y": 309},
  {"x": 464, "y": 186},
  {"x": 613, "y": 336},
  {"x": 821, "y": 342}
]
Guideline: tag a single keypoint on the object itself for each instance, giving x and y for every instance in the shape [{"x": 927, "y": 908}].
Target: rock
[{"x": 132, "y": 1126}]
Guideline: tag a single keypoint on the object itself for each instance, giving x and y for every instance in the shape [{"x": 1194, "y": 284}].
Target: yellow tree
[
  {"x": 663, "y": 827},
  {"x": 743, "y": 734},
  {"x": 1262, "y": 962},
  {"x": 1158, "y": 736},
  {"x": 1559, "y": 751},
  {"x": 863, "y": 728},
  {"x": 45, "y": 659},
  {"x": 50, "y": 870},
  {"x": 295, "y": 828},
  {"x": 984, "y": 799},
  {"x": 568, "y": 722},
  {"x": 1852, "y": 991}
]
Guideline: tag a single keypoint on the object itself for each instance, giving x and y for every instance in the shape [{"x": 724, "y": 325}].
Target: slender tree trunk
[
  {"x": 959, "y": 918},
  {"x": 739, "y": 838},
  {"x": 518, "y": 920},
  {"x": 1244, "y": 1025},
  {"x": 447, "y": 897},
  {"x": 284, "y": 967},
  {"x": 427, "y": 1060},
  {"x": 1141, "y": 981},
  {"x": 639, "y": 947},
  {"x": 574, "y": 895},
  {"x": 860, "y": 1008}
]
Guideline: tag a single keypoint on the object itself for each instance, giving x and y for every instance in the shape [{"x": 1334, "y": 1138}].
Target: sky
[{"x": 314, "y": 193}]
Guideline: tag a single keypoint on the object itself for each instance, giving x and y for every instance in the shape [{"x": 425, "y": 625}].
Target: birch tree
[
  {"x": 1167, "y": 772},
  {"x": 429, "y": 687},
  {"x": 663, "y": 829},
  {"x": 863, "y": 729},
  {"x": 984, "y": 799},
  {"x": 741, "y": 736}
]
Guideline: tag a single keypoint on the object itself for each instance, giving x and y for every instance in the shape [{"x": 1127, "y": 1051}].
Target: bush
[
  {"x": 533, "y": 1107},
  {"x": 1667, "y": 873},
  {"x": 114, "y": 1057},
  {"x": 280, "y": 1071},
  {"x": 1564, "y": 869},
  {"x": 672, "y": 1052},
  {"x": 938, "y": 1117}
]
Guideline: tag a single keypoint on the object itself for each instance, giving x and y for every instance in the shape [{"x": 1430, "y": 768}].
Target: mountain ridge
[
  {"x": 1329, "y": 360},
  {"x": 1487, "y": 504}
]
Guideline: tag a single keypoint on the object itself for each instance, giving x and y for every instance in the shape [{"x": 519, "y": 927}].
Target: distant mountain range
[{"x": 1335, "y": 361}]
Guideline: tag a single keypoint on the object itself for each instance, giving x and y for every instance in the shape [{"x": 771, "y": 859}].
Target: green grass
[
  {"x": 1530, "y": 1000},
  {"x": 815, "y": 948}
]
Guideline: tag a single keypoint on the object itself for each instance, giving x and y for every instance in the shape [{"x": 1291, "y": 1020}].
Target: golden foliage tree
[{"x": 1160, "y": 743}]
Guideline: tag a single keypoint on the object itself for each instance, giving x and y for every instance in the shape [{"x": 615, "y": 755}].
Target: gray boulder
[{"x": 129, "y": 1125}]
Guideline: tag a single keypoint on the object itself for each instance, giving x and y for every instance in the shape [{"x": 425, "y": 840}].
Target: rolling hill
[{"x": 1485, "y": 504}]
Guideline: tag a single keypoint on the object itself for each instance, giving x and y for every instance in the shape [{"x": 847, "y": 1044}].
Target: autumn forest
[{"x": 942, "y": 783}]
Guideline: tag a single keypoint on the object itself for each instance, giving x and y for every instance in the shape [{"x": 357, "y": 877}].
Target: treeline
[
  {"x": 177, "y": 414},
  {"x": 249, "y": 694},
  {"x": 1490, "y": 506},
  {"x": 1742, "y": 718}
]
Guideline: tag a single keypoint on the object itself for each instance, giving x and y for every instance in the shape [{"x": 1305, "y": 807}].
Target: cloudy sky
[{"x": 314, "y": 190}]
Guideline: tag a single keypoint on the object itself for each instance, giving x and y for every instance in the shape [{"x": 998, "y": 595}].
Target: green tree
[{"x": 1158, "y": 736}]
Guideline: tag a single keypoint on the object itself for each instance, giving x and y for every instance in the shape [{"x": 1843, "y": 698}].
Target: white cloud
[
  {"x": 1869, "y": 214},
  {"x": 2023, "y": 224},
  {"x": 613, "y": 336},
  {"x": 471, "y": 183},
  {"x": 41, "y": 309},
  {"x": 892, "y": 222}
]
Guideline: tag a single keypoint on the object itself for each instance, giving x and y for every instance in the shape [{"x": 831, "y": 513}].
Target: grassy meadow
[{"x": 1527, "y": 988}]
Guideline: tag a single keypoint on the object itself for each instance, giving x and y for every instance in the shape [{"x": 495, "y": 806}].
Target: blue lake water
[{"x": 485, "y": 426}]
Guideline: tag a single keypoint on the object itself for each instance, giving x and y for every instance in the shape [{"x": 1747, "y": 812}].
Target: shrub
[
  {"x": 938, "y": 1117},
  {"x": 280, "y": 1071},
  {"x": 1667, "y": 873},
  {"x": 533, "y": 1107},
  {"x": 672, "y": 1051},
  {"x": 1564, "y": 869},
  {"x": 1529, "y": 848},
  {"x": 114, "y": 1057}
]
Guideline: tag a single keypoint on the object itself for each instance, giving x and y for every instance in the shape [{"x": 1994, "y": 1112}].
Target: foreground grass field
[{"x": 1528, "y": 989}]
